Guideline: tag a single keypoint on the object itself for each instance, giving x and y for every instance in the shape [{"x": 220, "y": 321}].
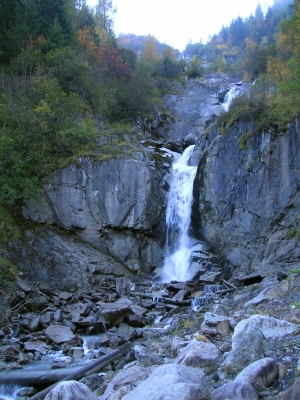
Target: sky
[{"x": 178, "y": 22}]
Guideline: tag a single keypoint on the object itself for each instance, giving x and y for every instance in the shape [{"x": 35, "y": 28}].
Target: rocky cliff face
[
  {"x": 246, "y": 200},
  {"x": 116, "y": 206}
]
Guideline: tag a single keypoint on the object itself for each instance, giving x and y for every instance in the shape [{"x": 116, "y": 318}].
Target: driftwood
[
  {"x": 92, "y": 368},
  {"x": 229, "y": 284},
  {"x": 224, "y": 291}
]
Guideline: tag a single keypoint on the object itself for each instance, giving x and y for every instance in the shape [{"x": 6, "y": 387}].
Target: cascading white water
[
  {"x": 230, "y": 95},
  {"x": 9, "y": 392},
  {"x": 180, "y": 199}
]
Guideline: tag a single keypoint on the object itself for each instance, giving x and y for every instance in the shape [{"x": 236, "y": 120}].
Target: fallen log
[
  {"x": 224, "y": 291},
  {"x": 229, "y": 284},
  {"x": 92, "y": 368}
]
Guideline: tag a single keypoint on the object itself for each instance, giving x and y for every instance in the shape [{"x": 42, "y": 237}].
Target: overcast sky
[{"x": 176, "y": 22}]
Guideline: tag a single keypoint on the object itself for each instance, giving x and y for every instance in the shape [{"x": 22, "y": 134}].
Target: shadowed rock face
[
  {"x": 247, "y": 200},
  {"x": 108, "y": 204}
]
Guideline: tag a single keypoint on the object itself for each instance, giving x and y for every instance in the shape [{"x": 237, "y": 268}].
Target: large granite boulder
[
  {"x": 200, "y": 355},
  {"x": 261, "y": 373},
  {"x": 71, "y": 390},
  {"x": 172, "y": 381},
  {"x": 249, "y": 341}
]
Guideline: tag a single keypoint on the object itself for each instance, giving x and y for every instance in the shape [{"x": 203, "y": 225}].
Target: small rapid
[{"x": 178, "y": 214}]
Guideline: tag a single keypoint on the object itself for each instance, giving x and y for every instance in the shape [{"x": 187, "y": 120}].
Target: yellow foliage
[
  {"x": 277, "y": 69},
  {"x": 222, "y": 47},
  {"x": 149, "y": 51}
]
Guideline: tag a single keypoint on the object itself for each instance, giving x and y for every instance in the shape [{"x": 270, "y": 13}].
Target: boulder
[
  {"x": 71, "y": 390},
  {"x": 126, "y": 332},
  {"x": 247, "y": 346},
  {"x": 200, "y": 354},
  {"x": 115, "y": 313},
  {"x": 36, "y": 345},
  {"x": 269, "y": 326},
  {"x": 125, "y": 381},
  {"x": 214, "y": 320},
  {"x": 59, "y": 334},
  {"x": 172, "y": 381},
  {"x": 35, "y": 324},
  {"x": 261, "y": 373}
]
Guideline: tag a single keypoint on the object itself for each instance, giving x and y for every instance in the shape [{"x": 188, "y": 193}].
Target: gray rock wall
[
  {"x": 247, "y": 201},
  {"x": 116, "y": 205}
]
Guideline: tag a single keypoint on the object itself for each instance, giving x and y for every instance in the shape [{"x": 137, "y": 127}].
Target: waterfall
[
  {"x": 9, "y": 392},
  {"x": 180, "y": 199},
  {"x": 230, "y": 95}
]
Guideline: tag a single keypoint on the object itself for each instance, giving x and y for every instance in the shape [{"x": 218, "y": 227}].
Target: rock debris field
[{"x": 135, "y": 339}]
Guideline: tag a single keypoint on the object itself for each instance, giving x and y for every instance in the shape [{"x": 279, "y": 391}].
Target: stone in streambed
[{"x": 59, "y": 334}]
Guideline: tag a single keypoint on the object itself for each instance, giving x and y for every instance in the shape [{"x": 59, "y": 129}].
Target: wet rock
[
  {"x": 71, "y": 390},
  {"x": 180, "y": 295},
  {"x": 36, "y": 345},
  {"x": 200, "y": 354},
  {"x": 59, "y": 334},
  {"x": 172, "y": 381},
  {"x": 77, "y": 353},
  {"x": 9, "y": 353}
]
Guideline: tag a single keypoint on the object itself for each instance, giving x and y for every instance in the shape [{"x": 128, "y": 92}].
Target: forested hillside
[{"x": 62, "y": 75}]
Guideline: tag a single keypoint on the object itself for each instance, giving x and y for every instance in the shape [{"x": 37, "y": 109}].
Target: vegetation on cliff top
[{"x": 274, "y": 99}]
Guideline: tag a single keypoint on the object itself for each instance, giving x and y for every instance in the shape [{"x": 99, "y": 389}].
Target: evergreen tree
[{"x": 104, "y": 12}]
